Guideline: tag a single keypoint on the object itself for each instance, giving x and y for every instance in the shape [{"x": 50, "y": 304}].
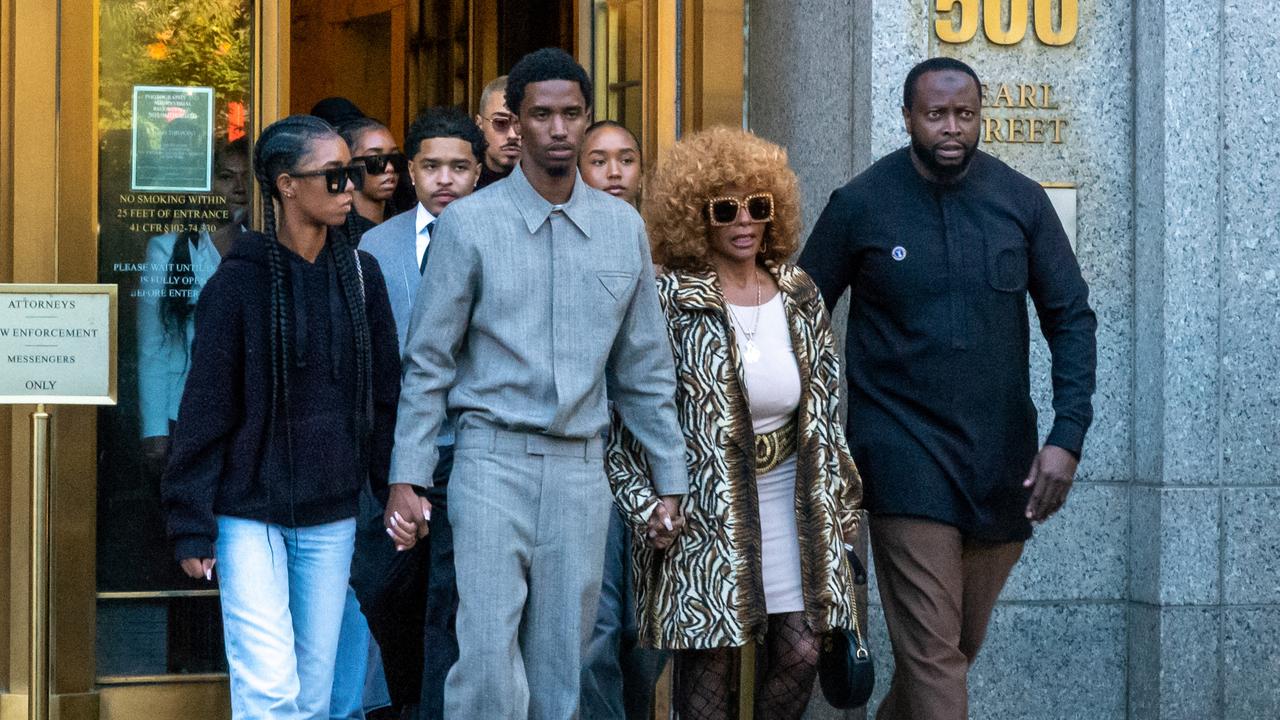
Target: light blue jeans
[{"x": 282, "y": 590}]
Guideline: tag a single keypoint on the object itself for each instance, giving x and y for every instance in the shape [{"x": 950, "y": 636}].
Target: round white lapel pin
[{"x": 899, "y": 253}]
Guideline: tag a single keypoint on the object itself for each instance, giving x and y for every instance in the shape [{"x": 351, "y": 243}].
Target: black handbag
[{"x": 845, "y": 669}]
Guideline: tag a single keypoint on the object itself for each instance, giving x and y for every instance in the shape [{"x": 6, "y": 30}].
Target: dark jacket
[
  {"x": 941, "y": 421},
  {"x": 489, "y": 177},
  {"x": 308, "y": 468}
]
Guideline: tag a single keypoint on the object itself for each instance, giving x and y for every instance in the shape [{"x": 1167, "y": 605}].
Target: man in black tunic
[{"x": 940, "y": 244}]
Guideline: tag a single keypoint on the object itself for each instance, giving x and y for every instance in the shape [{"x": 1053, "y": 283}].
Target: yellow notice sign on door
[{"x": 58, "y": 344}]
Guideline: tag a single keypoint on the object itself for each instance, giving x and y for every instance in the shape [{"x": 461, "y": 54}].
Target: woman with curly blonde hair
[{"x": 773, "y": 491}]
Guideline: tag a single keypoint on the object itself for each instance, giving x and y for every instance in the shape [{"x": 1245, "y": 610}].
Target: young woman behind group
[
  {"x": 288, "y": 409},
  {"x": 610, "y": 160},
  {"x": 375, "y": 150}
]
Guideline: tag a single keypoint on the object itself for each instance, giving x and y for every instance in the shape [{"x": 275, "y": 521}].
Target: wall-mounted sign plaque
[
  {"x": 1063, "y": 197},
  {"x": 172, "y": 138},
  {"x": 58, "y": 344}
]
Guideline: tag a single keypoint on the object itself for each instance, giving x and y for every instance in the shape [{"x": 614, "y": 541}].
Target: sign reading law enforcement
[{"x": 57, "y": 344}]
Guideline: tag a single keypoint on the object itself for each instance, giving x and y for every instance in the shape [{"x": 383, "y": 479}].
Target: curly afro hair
[{"x": 701, "y": 166}]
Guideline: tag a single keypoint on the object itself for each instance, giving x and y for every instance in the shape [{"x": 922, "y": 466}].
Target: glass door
[{"x": 174, "y": 129}]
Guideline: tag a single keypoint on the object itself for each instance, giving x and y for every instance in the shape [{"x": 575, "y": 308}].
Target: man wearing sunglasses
[
  {"x": 416, "y": 637},
  {"x": 540, "y": 307},
  {"x": 940, "y": 245},
  {"x": 501, "y": 133}
]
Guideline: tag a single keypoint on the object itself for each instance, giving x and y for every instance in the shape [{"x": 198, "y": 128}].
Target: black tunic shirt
[
  {"x": 941, "y": 421},
  {"x": 489, "y": 177}
]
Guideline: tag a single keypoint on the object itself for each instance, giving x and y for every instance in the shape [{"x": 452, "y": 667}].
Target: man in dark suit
[{"x": 399, "y": 595}]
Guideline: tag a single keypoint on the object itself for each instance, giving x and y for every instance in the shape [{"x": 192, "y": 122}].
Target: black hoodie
[{"x": 226, "y": 458}]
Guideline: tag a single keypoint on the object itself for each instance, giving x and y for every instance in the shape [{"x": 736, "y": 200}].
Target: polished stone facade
[{"x": 1156, "y": 592}]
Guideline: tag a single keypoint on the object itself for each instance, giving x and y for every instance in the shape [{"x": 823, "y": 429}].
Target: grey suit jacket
[
  {"x": 395, "y": 244},
  {"x": 532, "y": 316}
]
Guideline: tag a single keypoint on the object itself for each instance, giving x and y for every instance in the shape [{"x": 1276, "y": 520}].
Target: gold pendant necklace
[{"x": 750, "y": 351}]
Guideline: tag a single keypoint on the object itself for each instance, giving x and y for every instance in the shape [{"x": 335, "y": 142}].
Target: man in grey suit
[
  {"x": 415, "y": 631},
  {"x": 541, "y": 308}
]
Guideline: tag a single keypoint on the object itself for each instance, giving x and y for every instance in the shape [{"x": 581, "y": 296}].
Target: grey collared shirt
[{"x": 535, "y": 316}]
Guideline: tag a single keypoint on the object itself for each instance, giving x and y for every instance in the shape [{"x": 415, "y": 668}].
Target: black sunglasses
[
  {"x": 377, "y": 164},
  {"x": 335, "y": 178},
  {"x": 724, "y": 210}
]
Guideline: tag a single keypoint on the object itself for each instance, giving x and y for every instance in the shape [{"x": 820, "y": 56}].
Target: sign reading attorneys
[{"x": 57, "y": 344}]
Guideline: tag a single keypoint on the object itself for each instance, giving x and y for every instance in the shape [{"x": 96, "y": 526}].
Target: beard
[
  {"x": 558, "y": 171},
  {"x": 929, "y": 157}
]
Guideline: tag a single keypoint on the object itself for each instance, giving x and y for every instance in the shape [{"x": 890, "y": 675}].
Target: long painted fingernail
[
  {"x": 396, "y": 515},
  {"x": 208, "y": 573},
  {"x": 666, "y": 523},
  {"x": 390, "y": 534}
]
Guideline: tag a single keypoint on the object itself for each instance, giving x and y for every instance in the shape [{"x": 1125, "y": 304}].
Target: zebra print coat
[{"x": 706, "y": 590}]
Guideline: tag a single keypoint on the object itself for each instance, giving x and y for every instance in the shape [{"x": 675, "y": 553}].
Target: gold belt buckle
[{"x": 774, "y": 447}]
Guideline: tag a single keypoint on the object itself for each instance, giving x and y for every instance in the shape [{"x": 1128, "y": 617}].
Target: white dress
[{"x": 773, "y": 391}]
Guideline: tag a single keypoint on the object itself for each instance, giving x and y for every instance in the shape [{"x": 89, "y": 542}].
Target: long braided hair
[{"x": 279, "y": 149}]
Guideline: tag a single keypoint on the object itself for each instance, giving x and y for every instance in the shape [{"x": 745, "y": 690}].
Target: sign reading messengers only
[{"x": 58, "y": 344}]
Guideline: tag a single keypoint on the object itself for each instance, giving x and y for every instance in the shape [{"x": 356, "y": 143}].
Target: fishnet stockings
[
  {"x": 706, "y": 684},
  {"x": 787, "y": 668},
  {"x": 706, "y": 681}
]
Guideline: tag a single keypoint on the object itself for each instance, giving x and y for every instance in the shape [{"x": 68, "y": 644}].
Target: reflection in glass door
[{"x": 174, "y": 187}]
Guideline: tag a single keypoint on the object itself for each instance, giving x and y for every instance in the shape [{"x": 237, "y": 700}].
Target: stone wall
[
  {"x": 1204, "y": 638},
  {"x": 1156, "y": 592}
]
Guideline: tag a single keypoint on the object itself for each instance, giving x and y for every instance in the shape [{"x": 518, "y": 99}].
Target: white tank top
[{"x": 773, "y": 381}]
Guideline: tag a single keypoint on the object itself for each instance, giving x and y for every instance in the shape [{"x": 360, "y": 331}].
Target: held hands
[
  {"x": 665, "y": 522},
  {"x": 1052, "y": 473},
  {"x": 199, "y": 568},
  {"x": 406, "y": 516}
]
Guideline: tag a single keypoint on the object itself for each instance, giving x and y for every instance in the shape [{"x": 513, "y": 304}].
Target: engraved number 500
[{"x": 997, "y": 31}]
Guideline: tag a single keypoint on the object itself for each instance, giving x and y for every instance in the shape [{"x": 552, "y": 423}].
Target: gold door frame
[
  {"x": 49, "y": 111},
  {"x": 48, "y": 119},
  {"x": 685, "y": 40}
]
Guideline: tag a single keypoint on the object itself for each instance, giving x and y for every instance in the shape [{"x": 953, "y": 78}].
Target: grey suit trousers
[{"x": 530, "y": 514}]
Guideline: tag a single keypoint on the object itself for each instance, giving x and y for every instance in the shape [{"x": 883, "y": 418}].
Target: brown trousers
[{"x": 937, "y": 589}]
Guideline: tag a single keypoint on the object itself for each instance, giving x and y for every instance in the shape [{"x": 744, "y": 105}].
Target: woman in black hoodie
[{"x": 288, "y": 409}]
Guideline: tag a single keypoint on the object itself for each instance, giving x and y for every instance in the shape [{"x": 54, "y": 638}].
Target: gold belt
[{"x": 774, "y": 447}]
